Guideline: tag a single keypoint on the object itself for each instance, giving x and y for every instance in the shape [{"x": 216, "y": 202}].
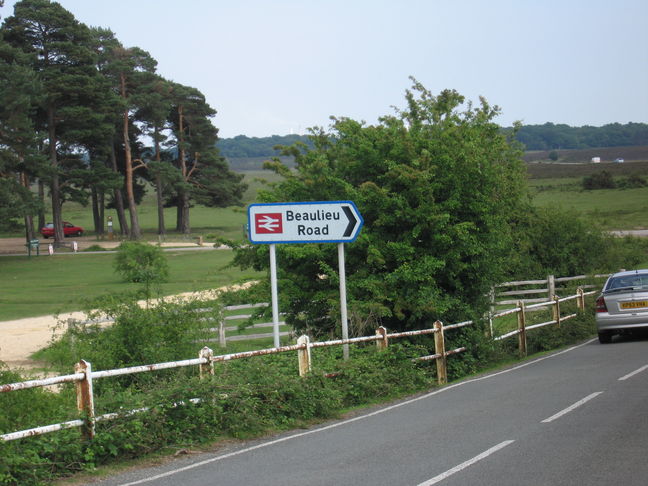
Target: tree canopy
[
  {"x": 77, "y": 108},
  {"x": 439, "y": 187}
]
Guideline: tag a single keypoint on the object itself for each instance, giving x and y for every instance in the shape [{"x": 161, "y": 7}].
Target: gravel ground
[
  {"x": 20, "y": 338},
  {"x": 16, "y": 246}
]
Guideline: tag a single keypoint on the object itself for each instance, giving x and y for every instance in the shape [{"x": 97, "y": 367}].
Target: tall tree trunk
[
  {"x": 160, "y": 205},
  {"x": 118, "y": 195},
  {"x": 29, "y": 220},
  {"x": 41, "y": 200},
  {"x": 158, "y": 185},
  {"x": 135, "y": 232},
  {"x": 102, "y": 209},
  {"x": 55, "y": 189},
  {"x": 29, "y": 228},
  {"x": 185, "y": 227},
  {"x": 183, "y": 198},
  {"x": 96, "y": 216}
]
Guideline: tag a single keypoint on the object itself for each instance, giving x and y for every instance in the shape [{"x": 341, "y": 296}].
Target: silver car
[{"x": 623, "y": 304}]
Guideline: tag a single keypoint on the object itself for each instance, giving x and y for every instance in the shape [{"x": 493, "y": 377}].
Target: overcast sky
[{"x": 279, "y": 66}]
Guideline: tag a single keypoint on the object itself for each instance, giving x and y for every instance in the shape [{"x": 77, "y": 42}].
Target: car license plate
[{"x": 634, "y": 305}]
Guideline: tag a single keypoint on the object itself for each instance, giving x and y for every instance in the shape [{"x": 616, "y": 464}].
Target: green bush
[
  {"x": 95, "y": 248},
  {"x": 165, "y": 331},
  {"x": 633, "y": 181},
  {"x": 572, "y": 331},
  {"x": 553, "y": 240},
  {"x": 599, "y": 180},
  {"x": 141, "y": 263}
]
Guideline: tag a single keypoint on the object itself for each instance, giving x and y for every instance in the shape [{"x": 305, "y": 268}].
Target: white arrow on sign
[{"x": 304, "y": 222}]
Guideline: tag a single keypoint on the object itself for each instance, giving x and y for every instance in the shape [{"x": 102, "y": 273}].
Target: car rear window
[{"x": 635, "y": 281}]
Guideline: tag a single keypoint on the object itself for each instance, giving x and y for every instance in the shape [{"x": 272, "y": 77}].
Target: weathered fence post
[
  {"x": 383, "y": 342},
  {"x": 439, "y": 348},
  {"x": 556, "y": 310},
  {"x": 85, "y": 398},
  {"x": 522, "y": 342},
  {"x": 304, "y": 355},
  {"x": 551, "y": 286},
  {"x": 491, "y": 311},
  {"x": 208, "y": 367},
  {"x": 221, "y": 333},
  {"x": 581, "y": 298}
]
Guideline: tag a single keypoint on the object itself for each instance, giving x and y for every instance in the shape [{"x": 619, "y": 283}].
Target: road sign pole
[
  {"x": 343, "y": 300},
  {"x": 275, "y": 298}
]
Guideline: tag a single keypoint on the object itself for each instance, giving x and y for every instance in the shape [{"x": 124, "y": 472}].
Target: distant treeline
[
  {"x": 549, "y": 136},
  {"x": 242, "y": 146},
  {"x": 553, "y": 137}
]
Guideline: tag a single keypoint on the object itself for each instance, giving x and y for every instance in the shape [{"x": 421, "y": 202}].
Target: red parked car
[{"x": 68, "y": 230}]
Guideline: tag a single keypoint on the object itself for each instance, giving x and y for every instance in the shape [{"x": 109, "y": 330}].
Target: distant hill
[
  {"x": 242, "y": 164},
  {"x": 573, "y": 144},
  {"x": 245, "y": 147},
  {"x": 562, "y": 137}
]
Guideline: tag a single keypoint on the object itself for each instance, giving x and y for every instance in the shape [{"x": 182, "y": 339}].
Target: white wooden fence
[
  {"x": 544, "y": 288},
  {"x": 83, "y": 376},
  {"x": 223, "y": 329}
]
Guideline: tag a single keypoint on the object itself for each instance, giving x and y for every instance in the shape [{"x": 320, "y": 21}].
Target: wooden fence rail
[
  {"x": 548, "y": 288},
  {"x": 84, "y": 376}
]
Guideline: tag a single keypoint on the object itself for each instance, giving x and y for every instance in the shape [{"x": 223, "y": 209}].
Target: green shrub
[
  {"x": 141, "y": 262},
  {"x": 164, "y": 331},
  {"x": 553, "y": 240},
  {"x": 633, "y": 181},
  {"x": 95, "y": 248},
  {"x": 599, "y": 180},
  {"x": 572, "y": 331}
]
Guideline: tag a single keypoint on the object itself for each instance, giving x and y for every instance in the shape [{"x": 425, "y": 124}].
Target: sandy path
[{"x": 22, "y": 337}]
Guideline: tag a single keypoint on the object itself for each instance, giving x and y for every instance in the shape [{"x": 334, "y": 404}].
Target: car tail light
[{"x": 600, "y": 305}]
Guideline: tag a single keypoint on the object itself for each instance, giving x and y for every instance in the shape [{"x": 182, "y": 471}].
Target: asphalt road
[{"x": 579, "y": 416}]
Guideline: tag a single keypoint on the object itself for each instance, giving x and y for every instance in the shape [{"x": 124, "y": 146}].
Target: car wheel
[{"x": 605, "y": 337}]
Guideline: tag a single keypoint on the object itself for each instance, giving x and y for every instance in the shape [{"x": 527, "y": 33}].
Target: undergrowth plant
[{"x": 243, "y": 399}]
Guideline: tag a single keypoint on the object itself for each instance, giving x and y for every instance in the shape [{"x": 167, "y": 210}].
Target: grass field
[
  {"x": 613, "y": 209},
  {"x": 61, "y": 283},
  {"x": 28, "y": 286}
]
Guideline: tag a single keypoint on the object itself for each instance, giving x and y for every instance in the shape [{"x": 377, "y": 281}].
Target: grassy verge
[
  {"x": 41, "y": 286},
  {"x": 245, "y": 399}
]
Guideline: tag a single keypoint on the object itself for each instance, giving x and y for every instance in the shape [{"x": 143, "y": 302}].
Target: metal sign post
[
  {"x": 275, "y": 297},
  {"x": 343, "y": 300},
  {"x": 305, "y": 222}
]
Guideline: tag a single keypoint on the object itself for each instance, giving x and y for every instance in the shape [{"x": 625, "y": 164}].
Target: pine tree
[
  {"x": 155, "y": 102},
  {"x": 204, "y": 175},
  {"x": 59, "y": 51}
]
